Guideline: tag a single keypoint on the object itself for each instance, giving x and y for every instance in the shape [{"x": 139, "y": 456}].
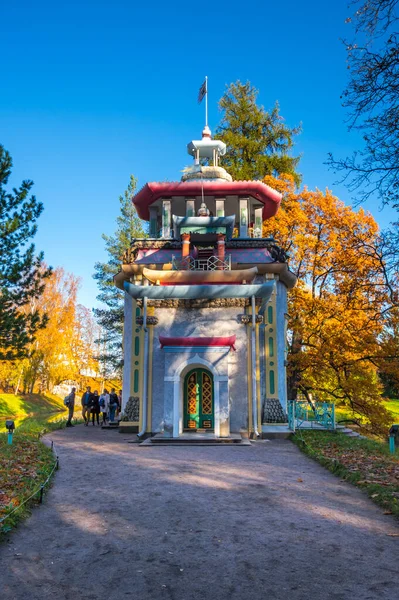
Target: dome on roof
[{"x": 198, "y": 172}]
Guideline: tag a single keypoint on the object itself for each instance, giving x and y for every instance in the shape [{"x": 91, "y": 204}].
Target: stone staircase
[
  {"x": 196, "y": 439},
  {"x": 349, "y": 432},
  {"x": 109, "y": 426}
]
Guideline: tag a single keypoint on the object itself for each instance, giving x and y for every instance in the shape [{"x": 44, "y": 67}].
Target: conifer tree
[
  {"x": 110, "y": 318},
  {"x": 22, "y": 276},
  {"x": 258, "y": 141}
]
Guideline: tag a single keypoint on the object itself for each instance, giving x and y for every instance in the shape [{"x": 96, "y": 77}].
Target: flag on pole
[{"x": 202, "y": 92}]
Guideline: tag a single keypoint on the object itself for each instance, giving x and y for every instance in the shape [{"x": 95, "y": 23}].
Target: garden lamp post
[
  {"x": 393, "y": 438},
  {"x": 10, "y": 425}
]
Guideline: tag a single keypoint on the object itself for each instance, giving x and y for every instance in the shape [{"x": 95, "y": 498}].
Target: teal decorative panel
[
  {"x": 271, "y": 347},
  {"x": 271, "y": 381},
  {"x": 136, "y": 381},
  {"x": 270, "y": 314}
]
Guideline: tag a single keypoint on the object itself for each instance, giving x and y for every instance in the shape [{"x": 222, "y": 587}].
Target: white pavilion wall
[{"x": 182, "y": 322}]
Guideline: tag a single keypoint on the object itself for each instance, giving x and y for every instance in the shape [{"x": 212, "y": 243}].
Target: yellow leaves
[
  {"x": 63, "y": 348},
  {"x": 336, "y": 309}
]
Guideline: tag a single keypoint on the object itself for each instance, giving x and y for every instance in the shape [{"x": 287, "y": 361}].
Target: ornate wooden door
[{"x": 198, "y": 400}]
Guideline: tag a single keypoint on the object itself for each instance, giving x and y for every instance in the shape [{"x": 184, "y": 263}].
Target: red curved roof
[
  {"x": 229, "y": 340},
  {"x": 151, "y": 192}
]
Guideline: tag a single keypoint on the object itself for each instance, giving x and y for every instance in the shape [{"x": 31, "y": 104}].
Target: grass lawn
[
  {"x": 393, "y": 406},
  {"x": 365, "y": 463},
  {"x": 27, "y": 463},
  {"x": 24, "y": 466},
  {"x": 343, "y": 413},
  {"x": 20, "y": 407}
]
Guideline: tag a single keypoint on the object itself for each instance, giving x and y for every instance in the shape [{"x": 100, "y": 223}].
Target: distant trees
[
  {"x": 110, "y": 318},
  {"x": 22, "y": 276},
  {"x": 259, "y": 142},
  {"x": 63, "y": 350},
  {"x": 372, "y": 101}
]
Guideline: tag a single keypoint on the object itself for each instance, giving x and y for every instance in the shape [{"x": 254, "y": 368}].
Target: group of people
[{"x": 107, "y": 404}]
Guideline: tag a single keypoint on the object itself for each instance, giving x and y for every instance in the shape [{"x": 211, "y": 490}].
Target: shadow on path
[{"x": 123, "y": 521}]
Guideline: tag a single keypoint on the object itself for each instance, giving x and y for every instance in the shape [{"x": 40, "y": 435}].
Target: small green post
[
  {"x": 392, "y": 444},
  {"x": 10, "y": 438}
]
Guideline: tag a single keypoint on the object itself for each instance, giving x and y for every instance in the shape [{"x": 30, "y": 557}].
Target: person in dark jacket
[
  {"x": 70, "y": 403},
  {"x": 95, "y": 408},
  {"x": 113, "y": 404},
  {"x": 86, "y": 402}
]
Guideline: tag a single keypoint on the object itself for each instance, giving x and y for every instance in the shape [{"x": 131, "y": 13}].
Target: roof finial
[{"x": 206, "y": 132}]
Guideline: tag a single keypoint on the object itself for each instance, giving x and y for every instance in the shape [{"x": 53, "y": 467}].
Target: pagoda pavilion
[{"x": 205, "y": 312}]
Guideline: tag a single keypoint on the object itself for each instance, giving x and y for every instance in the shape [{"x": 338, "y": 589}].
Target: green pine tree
[
  {"x": 22, "y": 274},
  {"x": 258, "y": 142},
  {"x": 110, "y": 318}
]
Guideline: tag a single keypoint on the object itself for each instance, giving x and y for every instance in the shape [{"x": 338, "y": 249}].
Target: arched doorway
[{"x": 198, "y": 405}]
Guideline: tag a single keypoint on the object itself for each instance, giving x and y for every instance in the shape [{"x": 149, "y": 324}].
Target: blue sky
[{"x": 94, "y": 91}]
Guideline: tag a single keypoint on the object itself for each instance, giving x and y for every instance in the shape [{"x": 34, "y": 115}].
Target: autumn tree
[
  {"x": 110, "y": 318},
  {"x": 22, "y": 277},
  {"x": 259, "y": 142},
  {"x": 371, "y": 101},
  {"x": 84, "y": 347},
  {"x": 51, "y": 358},
  {"x": 339, "y": 306},
  {"x": 64, "y": 350}
]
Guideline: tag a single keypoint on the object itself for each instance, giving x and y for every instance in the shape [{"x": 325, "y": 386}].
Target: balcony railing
[{"x": 213, "y": 263}]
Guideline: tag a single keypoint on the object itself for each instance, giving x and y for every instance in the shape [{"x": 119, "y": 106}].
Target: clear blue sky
[{"x": 94, "y": 91}]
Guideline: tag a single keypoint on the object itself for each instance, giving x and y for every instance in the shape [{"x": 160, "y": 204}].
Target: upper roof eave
[{"x": 151, "y": 192}]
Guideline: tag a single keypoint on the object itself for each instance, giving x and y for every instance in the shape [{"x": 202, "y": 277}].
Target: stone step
[
  {"x": 275, "y": 431},
  {"x": 195, "y": 439},
  {"x": 114, "y": 425}
]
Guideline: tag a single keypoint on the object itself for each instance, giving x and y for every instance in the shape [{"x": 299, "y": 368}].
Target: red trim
[
  {"x": 151, "y": 192},
  {"x": 198, "y": 341}
]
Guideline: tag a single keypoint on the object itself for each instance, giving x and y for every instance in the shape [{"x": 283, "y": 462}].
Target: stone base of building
[
  {"x": 276, "y": 431},
  {"x": 128, "y": 427}
]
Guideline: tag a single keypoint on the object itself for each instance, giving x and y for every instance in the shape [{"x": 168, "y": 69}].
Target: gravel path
[{"x": 196, "y": 524}]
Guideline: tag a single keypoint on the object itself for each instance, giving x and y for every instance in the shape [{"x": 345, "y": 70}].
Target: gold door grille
[
  {"x": 206, "y": 394},
  {"x": 192, "y": 395}
]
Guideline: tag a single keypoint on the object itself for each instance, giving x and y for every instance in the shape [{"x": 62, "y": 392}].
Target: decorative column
[
  {"x": 132, "y": 356},
  {"x": 185, "y": 251},
  {"x": 271, "y": 358},
  {"x": 221, "y": 249}
]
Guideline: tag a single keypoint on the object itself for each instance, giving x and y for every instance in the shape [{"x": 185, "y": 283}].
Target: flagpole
[{"x": 206, "y": 101}]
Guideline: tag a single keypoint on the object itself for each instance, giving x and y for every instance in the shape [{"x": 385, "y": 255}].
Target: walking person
[
  {"x": 70, "y": 403},
  {"x": 95, "y": 408},
  {"x": 119, "y": 402},
  {"x": 104, "y": 405},
  {"x": 113, "y": 405},
  {"x": 86, "y": 401}
]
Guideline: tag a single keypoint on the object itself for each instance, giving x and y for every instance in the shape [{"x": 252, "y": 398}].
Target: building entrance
[{"x": 198, "y": 400}]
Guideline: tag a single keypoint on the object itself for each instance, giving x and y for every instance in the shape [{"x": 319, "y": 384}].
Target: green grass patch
[
  {"x": 393, "y": 407},
  {"x": 365, "y": 463},
  {"x": 20, "y": 408},
  {"x": 24, "y": 466}
]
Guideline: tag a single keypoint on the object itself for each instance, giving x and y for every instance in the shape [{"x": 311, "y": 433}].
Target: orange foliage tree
[{"x": 339, "y": 308}]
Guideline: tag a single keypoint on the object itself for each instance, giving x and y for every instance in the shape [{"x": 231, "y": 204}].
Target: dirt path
[{"x": 197, "y": 523}]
